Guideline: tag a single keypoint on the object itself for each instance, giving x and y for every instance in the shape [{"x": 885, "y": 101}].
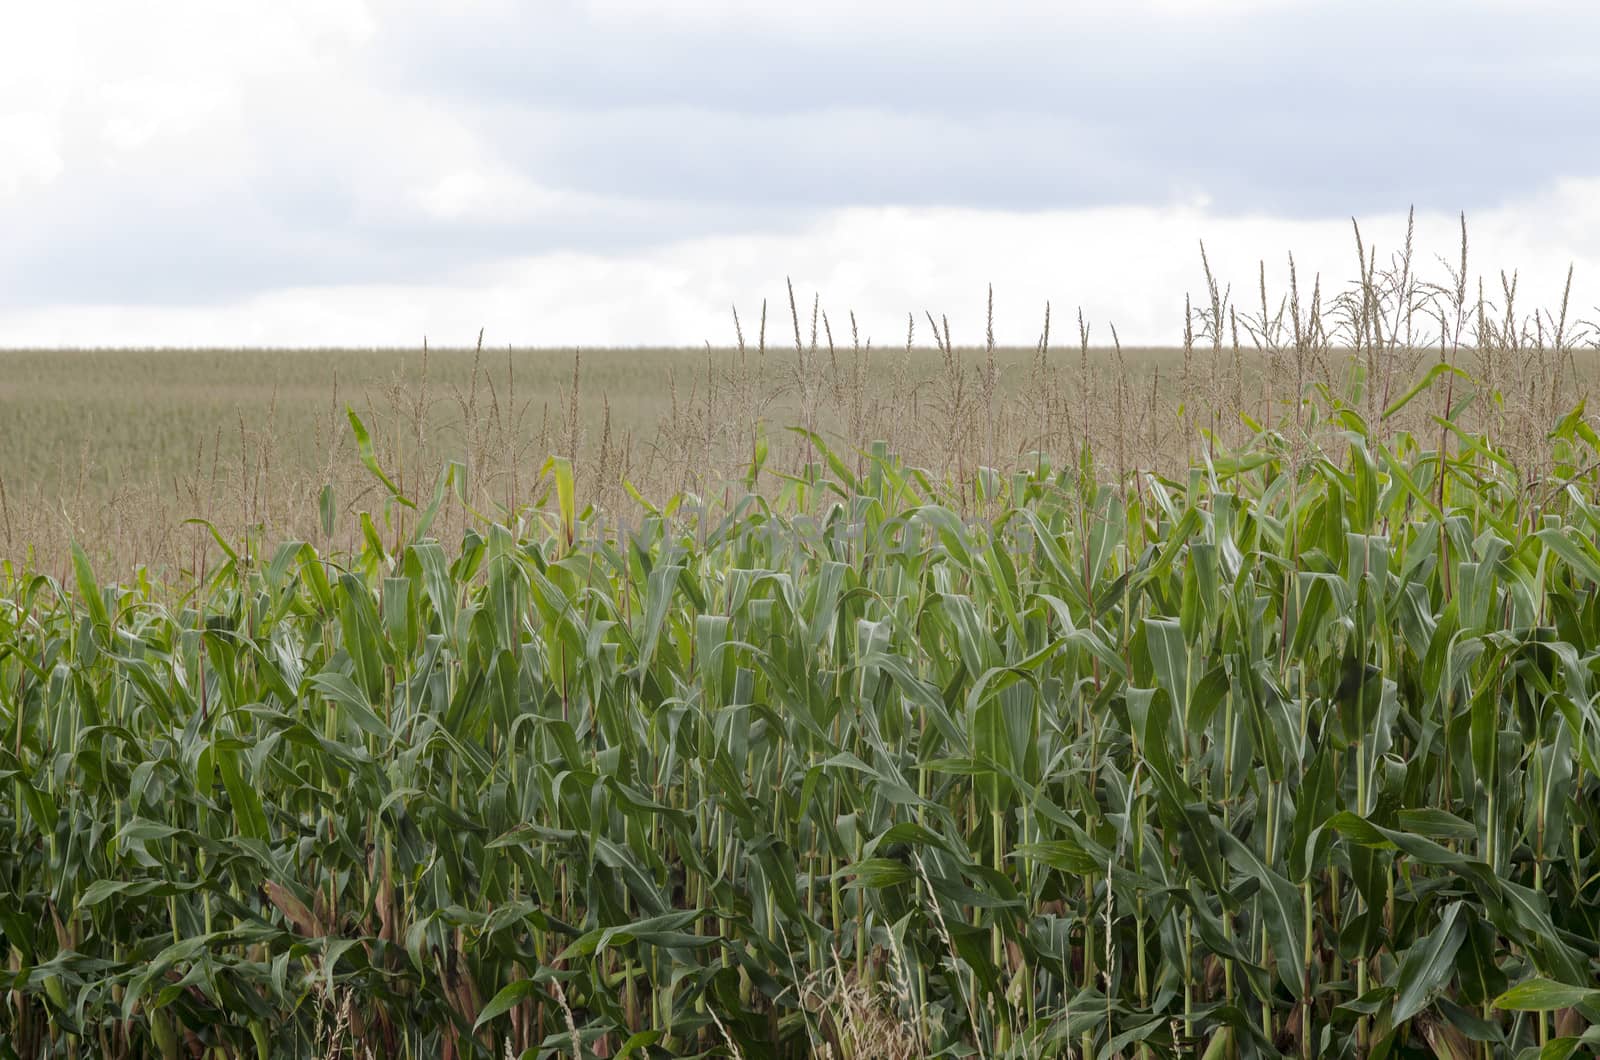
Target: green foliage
[{"x": 1297, "y": 756}]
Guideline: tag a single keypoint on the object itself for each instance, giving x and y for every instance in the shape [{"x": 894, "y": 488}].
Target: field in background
[
  {"x": 87, "y": 421},
  {"x": 117, "y": 448}
]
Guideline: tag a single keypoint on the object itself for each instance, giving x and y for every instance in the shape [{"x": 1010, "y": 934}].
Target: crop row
[{"x": 1296, "y": 756}]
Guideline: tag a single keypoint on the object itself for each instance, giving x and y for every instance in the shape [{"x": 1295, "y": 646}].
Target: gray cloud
[
  {"x": 1308, "y": 112},
  {"x": 608, "y": 135}
]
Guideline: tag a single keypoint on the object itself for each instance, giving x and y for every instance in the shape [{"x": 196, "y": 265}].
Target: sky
[{"x": 616, "y": 172}]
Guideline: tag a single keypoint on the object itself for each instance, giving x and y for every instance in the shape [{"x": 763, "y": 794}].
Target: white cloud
[
  {"x": 1128, "y": 266},
  {"x": 917, "y": 14},
  {"x": 30, "y": 153},
  {"x": 617, "y": 170}
]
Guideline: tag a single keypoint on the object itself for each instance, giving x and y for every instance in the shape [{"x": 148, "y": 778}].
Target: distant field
[
  {"x": 149, "y": 412},
  {"x": 146, "y": 412},
  {"x": 117, "y": 447}
]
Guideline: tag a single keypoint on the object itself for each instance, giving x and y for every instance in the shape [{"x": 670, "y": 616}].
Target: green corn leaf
[
  {"x": 1544, "y": 995},
  {"x": 1429, "y": 964},
  {"x": 370, "y": 459}
]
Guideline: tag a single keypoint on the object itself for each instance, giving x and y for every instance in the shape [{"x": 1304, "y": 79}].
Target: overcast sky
[{"x": 616, "y": 172}]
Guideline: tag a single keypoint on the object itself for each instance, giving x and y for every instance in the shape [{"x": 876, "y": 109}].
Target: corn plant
[{"x": 1297, "y": 756}]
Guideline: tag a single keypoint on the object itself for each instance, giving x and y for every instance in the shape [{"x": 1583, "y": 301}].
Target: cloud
[
  {"x": 180, "y": 166},
  {"x": 1127, "y": 266},
  {"x": 1300, "y": 109}
]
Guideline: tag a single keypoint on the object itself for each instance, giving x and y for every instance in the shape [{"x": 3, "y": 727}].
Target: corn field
[{"x": 1296, "y": 756}]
